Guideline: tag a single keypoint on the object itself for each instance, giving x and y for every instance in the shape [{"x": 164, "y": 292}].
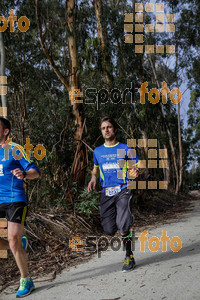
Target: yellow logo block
[
  {"x": 75, "y": 242},
  {"x": 74, "y": 94}
]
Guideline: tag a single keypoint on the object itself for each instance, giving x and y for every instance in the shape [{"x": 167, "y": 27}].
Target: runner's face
[
  {"x": 107, "y": 131},
  {"x": 3, "y": 133}
]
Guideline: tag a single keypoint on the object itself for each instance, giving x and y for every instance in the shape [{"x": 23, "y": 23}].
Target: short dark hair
[
  {"x": 5, "y": 124},
  {"x": 110, "y": 120}
]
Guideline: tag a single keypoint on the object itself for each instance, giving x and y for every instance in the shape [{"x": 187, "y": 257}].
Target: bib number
[{"x": 110, "y": 191}]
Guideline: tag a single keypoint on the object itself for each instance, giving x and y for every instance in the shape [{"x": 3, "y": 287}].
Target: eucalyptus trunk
[
  {"x": 2, "y": 71},
  {"x": 79, "y": 164},
  {"x": 106, "y": 64}
]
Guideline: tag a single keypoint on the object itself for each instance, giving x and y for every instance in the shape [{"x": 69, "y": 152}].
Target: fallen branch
[{"x": 37, "y": 216}]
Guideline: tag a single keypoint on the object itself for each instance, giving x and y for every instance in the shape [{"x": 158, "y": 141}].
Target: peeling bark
[
  {"x": 70, "y": 82},
  {"x": 105, "y": 59},
  {"x": 2, "y": 68}
]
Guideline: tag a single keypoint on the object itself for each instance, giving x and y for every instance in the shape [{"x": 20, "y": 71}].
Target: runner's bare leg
[{"x": 15, "y": 232}]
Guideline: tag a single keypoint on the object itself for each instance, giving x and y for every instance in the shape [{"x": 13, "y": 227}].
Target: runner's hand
[
  {"x": 92, "y": 184},
  {"x": 18, "y": 173},
  {"x": 133, "y": 172}
]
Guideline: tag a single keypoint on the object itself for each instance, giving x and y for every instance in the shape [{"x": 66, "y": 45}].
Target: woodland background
[{"x": 80, "y": 44}]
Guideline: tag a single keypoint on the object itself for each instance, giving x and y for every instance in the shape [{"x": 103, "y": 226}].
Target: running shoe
[
  {"x": 129, "y": 264},
  {"x": 25, "y": 287},
  {"x": 24, "y": 242}
]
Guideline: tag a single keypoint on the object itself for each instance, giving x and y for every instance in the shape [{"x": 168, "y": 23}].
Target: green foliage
[
  {"x": 194, "y": 174},
  {"x": 87, "y": 203},
  {"x": 38, "y": 104}
]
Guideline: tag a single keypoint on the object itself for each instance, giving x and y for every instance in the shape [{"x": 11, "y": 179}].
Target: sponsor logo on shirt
[
  {"x": 1, "y": 170},
  {"x": 108, "y": 166}
]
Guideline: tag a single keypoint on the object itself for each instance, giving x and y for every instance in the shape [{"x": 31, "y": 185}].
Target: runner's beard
[{"x": 111, "y": 138}]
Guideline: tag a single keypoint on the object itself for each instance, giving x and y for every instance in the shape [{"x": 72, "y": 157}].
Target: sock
[
  {"x": 127, "y": 241},
  {"x": 27, "y": 278}
]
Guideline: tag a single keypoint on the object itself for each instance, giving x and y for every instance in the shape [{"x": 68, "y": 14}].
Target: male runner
[
  {"x": 115, "y": 198},
  {"x": 13, "y": 201}
]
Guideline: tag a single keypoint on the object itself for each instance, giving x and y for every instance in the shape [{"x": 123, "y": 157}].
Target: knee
[
  {"x": 110, "y": 231},
  {"x": 14, "y": 243}
]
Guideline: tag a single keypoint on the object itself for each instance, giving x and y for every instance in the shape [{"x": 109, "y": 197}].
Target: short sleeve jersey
[
  {"x": 11, "y": 188},
  {"x": 113, "y": 163}
]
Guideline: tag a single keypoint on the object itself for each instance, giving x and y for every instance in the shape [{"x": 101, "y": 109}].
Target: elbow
[{"x": 37, "y": 175}]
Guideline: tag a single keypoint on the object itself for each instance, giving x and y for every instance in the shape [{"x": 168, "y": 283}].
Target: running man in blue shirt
[
  {"x": 115, "y": 200},
  {"x": 14, "y": 167}
]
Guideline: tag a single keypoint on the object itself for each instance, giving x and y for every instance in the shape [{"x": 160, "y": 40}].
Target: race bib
[
  {"x": 1, "y": 170},
  {"x": 110, "y": 191}
]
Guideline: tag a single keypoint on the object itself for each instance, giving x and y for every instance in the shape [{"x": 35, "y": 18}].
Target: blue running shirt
[
  {"x": 107, "y": 158},
  {"x": 11, "y": 188}
]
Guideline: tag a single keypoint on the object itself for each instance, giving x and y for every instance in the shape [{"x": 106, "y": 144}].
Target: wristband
[{"x": 24, "y": 174}]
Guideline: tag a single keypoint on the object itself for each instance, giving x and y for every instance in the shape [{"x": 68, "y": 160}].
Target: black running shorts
[
  {"x": 15, "y": 212},
  {"x": 115, "y": 212}
]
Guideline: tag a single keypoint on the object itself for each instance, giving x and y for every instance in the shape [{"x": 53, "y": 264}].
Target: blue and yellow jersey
[
  {"x": 113, "y": 164},
  {"x": 11, "y": 188}
]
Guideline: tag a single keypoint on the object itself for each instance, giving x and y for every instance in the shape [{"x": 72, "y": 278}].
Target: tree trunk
[
  {"x": 166, "y": 171},
  {"x": 179, "y": 135},
  {"x": 104, "y": 56},
  {"x": 168, "y": 131},
  {"x": 2, "y": 71},
  {"x": 180, "y": 150},
  {"x": 79, "y": 165}
]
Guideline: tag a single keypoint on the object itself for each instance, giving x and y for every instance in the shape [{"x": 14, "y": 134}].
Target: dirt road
[{"x": 158, "y": 275}]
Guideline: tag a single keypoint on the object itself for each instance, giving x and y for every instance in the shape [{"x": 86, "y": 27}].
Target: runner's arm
[
  {"x": 93, "y": 180},
  {"x": 139, "y": 169},
  {"x": 30, "y": 174},
  {"x": 27, "y": 169}
]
